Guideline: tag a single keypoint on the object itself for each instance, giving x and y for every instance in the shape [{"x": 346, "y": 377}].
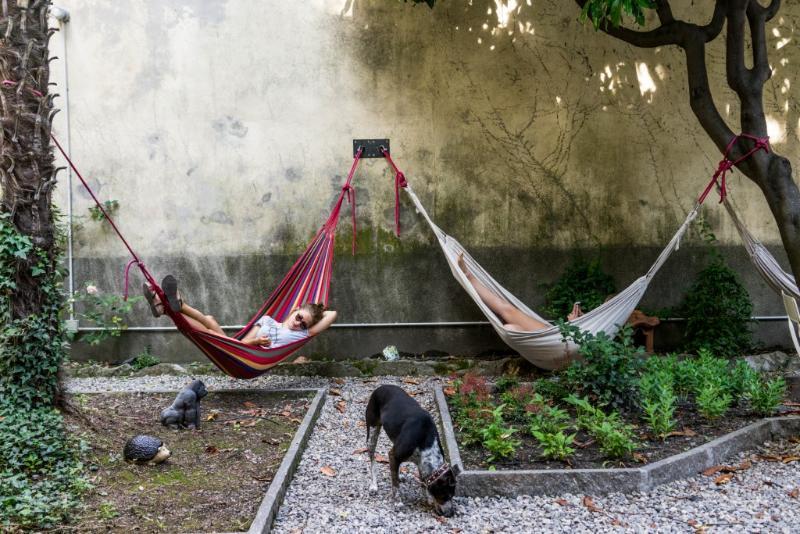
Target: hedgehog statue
[{"x": 143, "y": 449}]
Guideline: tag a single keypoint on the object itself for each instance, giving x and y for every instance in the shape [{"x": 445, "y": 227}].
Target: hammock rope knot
[
  {"x": 399, "y": 181},
  {"x": 726, "y": 164}
]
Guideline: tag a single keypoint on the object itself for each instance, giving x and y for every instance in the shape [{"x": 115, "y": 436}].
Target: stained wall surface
[{"x": 224, "y": 130}]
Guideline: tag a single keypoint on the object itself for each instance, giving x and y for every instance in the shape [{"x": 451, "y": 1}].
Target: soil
[
  {"x": 215, "y": 478},
  {"x": 691, "y": 430}
]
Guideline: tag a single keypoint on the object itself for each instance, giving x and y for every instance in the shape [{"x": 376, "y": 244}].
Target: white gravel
[{"x": 756, "y": 500}]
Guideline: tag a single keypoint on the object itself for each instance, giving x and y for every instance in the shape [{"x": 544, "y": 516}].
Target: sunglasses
[{"x": 301, "y": 321}]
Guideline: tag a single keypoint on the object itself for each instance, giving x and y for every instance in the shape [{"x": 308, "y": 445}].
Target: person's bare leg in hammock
[{"x": 512, "y": 317}]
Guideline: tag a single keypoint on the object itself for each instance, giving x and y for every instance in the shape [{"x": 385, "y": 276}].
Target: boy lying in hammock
[
  {"x": 513, "y": 318},
  {"x": 304, "y": 321}
]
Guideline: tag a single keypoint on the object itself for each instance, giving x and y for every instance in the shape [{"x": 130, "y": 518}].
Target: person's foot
[
  {"x": 170, "y": 286},
  {"x": 461, "y": 263},
  {"x": 156, "y": 308},
  {"x": 576, "y": 312}
]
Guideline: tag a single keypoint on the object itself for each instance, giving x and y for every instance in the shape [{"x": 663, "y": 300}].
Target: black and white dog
[{"x": 414, "y": 437}]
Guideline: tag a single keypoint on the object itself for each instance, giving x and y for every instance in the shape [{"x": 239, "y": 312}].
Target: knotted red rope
[
  {"x": 726, "y": 164},
  {"x": 399, "y": 181},
  {"x": 350, "y": 192},
  {"x": 12, "y": 83}
]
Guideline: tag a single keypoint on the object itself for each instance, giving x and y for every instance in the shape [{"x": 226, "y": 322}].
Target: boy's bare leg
[{"x": 508, "y": 313}]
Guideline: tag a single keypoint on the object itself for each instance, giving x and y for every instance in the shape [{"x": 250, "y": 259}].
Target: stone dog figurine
[{"x": 185, "y": 410}]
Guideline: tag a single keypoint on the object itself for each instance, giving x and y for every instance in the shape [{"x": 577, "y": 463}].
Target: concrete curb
[
  {"x": 280, "y": 482},
  {"x": 479, "y": 483}
]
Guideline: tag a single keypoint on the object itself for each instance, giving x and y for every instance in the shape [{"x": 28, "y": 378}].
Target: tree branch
[
  {"x": 757, "y": 18},
  {"x": 700, "y": 98},
  {"x": 734, "y": 61},
  {"x": 771, "y": 10},
  {"x": 664, "y": 11}
]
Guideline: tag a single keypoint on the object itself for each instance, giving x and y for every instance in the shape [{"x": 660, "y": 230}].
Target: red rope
[
  {"x": 399, "y": 181},
  {"x": 726, "y": 164}
]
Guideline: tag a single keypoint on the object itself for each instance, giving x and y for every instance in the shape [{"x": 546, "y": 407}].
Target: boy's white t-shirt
[{"x": 277, "y": 334}]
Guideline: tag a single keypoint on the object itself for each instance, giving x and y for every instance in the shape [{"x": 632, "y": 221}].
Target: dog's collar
[{"x": 437, "y": 474}]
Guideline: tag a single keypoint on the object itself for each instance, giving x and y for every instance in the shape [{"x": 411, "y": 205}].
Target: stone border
[
  {"x": 283, "y": 477},
  {"x": 268, "y": 509},
  {"x": 510, "y": 483}
]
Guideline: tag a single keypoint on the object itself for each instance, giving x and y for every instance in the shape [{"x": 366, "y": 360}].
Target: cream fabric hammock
[
  {"x": 545, "y": 348},
  {"x": 772, "y": 273}
]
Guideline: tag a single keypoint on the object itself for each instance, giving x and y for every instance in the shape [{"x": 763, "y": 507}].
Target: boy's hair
[{"x": 316, "y": 310}]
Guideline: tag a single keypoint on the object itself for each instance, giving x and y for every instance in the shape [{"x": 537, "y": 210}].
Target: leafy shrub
[
  {"x": 717, "y": 309},
  {"x": 518, "y": 400},
  {"x": 712, "y": 401},
  {"x": 584, "y": 282},
  {"x": 609, "y": 368},
  {"x": 549, "y": 420},
  {"x": 145, "y": 359},
  {"x": 612, "y": 434},
  {"x": 40, "y": 470},
  {"x": 40, "y": 474},
  {"x": 110, "y": 206},
  {"x": 765, "y": 397},
  {"x": 551, "y": 388},
  {"x": 496, "y": 437},
  {"x": 742, "y": 378},
  {"x": 471, "y": 404},
  {"x": 658, "y": 400},
  {"x": 506, "y": 382},
  {"x": 103, "y": 310},
  {"x": 556, "y": 446}
]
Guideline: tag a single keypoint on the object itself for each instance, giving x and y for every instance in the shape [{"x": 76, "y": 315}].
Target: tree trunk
[{"x": 27, "y": 173}]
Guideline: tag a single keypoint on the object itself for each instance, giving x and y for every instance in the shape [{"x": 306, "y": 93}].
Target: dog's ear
[{"x": 456, "y": 469}]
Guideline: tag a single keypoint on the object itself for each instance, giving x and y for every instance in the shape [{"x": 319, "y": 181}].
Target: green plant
[
  {"x": 612, "y": 434},
  {"x": 548, "y": 420},
  {"x": 765, "y": 397},
  {"x": 517, "y": 400},
  {"x": 712, "y": 401},
  {"x": 506, "y": 382},
  {"x": 107, "y": 510},
  {"x": 609, "y": 367},
  {"x": 145, "y": 359},
  {"x": 105, "y": 311},
  {"x": 40, "y": 471},
  {"x": 110, "y": 206},
  {"x": 496, "y": 437},
  {"x": 717, "y": 309},
  {"x": 551, "y": 388},
  {"x": 471, "y": 405},
  {"x": 658, "y": 400},
  {"x": 601, "y": 12},
  {"x": 583, "y": 281},
  {"x": 557, "y": 445}
]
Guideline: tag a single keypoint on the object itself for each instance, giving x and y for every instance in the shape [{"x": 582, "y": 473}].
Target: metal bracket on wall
[{"x": 372, "y": 147}]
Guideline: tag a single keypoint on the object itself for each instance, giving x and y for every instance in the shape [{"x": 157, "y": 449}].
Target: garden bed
[{"x": 216, "y": 477}]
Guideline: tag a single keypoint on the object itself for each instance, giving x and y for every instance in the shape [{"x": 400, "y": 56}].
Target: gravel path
[{"x": 756, "y": 500}]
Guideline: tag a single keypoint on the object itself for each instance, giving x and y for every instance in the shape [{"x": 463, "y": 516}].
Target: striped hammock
[{"x": 308, "y": 280}]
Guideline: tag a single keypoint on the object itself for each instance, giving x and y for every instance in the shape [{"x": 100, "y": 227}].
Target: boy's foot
[
  {"x": 156, "y": 308},
  {"x": 170, "y": 286},
  {"x": 576, "y": 312}
]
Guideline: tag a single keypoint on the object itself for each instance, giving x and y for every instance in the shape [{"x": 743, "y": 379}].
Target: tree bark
[
  {"x": 770, "y": 171},
  {"x": 27, "y": 173}
]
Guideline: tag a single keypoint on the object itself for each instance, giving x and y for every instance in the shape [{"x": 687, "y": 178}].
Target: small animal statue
[
  {"x": 143, "y": 449},
  {"x": 185, "y": 410}
]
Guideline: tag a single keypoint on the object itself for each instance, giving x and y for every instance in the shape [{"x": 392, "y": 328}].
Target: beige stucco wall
[
  {"x": 224, "y": 130},
  {"x": 225, "y": 127}
]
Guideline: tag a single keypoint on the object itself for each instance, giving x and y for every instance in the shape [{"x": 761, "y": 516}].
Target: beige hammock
[{"x": 545, "y": 348}]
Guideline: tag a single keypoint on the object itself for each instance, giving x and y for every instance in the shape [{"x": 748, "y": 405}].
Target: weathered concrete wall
[{"x": 224, "y": 131}]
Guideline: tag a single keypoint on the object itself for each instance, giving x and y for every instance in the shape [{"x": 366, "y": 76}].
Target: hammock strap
[
  {"x": 347, "y": 191},
  {"x": 399, "y": 181},
  {"x": 726, "y": 164}
]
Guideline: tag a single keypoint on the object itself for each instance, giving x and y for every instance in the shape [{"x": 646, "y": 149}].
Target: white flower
[{"x": 92, "y": 290}]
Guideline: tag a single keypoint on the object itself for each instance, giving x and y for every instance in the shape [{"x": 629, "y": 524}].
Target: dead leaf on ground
[
  {"x": 211, "y": 416},
  {"x": 335, "y": 392},
  {"x": 639, "y": 457},
  {"x": 688, "y": 432},
  {"x": 789, "y": 459},
  {"x": 251, "y": 405},
  {"x": 440, "y": 519},
  {"x": 769, "y": 457},
  {"x": 791, "y": 404},
  {"x": 414, "y": 381},
  {"x": 723, "y": 479},
  {"x": 714, "y": 469},
  {"x": 616, "y": 522},
  {"x": 300, "y": 359},
  {"x": 583, "y": 445},
  {"x": 328, "y": 471},
  {"x": 341, "y": 406},
  {"x": 381, "y": 459},
  {"x": 361, "y": 451},
  {"x": 339, "y": 381},
  {"x": 562, "y": 502},
  {"x": 362, "y": 424},
  {"x": 449, "y": 391},
  {"x": 211, "y": 449},
  {"x": 590, "y": 505},
  {"x": 795, "y": 493}
]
